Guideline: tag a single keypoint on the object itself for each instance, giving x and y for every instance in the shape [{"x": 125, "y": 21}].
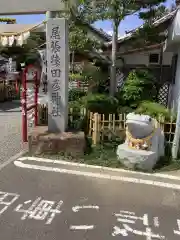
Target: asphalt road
[
  {"x": 10, "y": 130},
  {"x": 45, "y": 205}
]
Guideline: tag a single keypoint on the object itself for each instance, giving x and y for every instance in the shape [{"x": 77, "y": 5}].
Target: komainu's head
[{"x": 138, "y": 125}]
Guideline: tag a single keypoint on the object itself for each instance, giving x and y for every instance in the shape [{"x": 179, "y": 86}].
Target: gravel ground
[{"x": 10, "y": 130}]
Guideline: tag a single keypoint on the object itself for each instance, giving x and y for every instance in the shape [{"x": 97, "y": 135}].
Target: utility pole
[{"x": 113, "y": 60}]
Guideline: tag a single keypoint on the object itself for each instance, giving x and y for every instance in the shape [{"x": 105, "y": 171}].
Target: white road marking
[
  {"x": 175, "y": 231},
  {"x": 127, "y": 212},
  {"x": 156, "y": 222},
  {"x": 98, "y": 175},
  {"x": 61, "y": 162},
  {"x": 82, "y": 227},
  {"x": 77, "y": 208}
]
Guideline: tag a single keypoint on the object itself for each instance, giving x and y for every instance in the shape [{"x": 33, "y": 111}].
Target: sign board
[
  {"x": 57, "y": 74},
  {"x": 31, "y": 7}
]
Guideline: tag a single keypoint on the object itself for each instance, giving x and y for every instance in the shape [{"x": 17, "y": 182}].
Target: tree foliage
[
  {"x": 79, "y": 40},
  {"x": 8, "y": 20},
  {"x": 118, "y": 10},
  {"x": 140, "y": 85}
]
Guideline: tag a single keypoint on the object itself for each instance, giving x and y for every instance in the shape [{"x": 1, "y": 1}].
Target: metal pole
[{"x": 24, "y": 107}]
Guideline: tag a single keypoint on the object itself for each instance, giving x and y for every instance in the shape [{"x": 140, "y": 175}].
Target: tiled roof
[{"x": 102, "y": 33}]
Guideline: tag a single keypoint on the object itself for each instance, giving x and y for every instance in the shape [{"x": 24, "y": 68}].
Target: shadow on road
[{"x": 13, "y": 106}]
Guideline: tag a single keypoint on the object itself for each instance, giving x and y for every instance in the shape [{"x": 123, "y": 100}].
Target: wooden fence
[{"x": 111, "y": 127}]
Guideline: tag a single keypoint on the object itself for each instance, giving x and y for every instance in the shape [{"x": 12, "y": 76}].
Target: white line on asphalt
[
  {"x": 98, "y": 175},
  {"x": 61, "y": 162},
  {"x": 77, "y": 208},
  {"x": 156, "y": 222},
  {"x": 82, "y": 227}
]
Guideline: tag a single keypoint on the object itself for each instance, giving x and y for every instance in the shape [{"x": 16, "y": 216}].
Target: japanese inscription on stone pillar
[{"x": 57, "y": 74}]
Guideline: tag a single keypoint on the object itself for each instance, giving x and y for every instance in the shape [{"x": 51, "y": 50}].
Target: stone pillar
[{"x": 57, "y": 74}]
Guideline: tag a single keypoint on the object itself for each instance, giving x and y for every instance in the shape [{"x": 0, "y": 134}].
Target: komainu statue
[{"x": 144, "y": 143}]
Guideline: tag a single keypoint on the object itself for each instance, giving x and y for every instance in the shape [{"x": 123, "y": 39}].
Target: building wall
[{"x": 142, "y": 58}]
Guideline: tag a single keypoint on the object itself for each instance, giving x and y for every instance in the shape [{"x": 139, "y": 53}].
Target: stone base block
[
  {"x": 41, "y": 141},
  {"x": 136, "y": 159}
]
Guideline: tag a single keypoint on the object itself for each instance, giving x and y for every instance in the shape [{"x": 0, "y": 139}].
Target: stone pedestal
[
  {"x": 41, "y": 141},
  {"x": 136, "y": 159},
  {"x": 144, "y": 143}
]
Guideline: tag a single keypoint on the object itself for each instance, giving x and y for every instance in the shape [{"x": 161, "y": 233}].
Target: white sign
[
  {"x": 33, "y": 6},
  {"x": 57, "y": 74}
]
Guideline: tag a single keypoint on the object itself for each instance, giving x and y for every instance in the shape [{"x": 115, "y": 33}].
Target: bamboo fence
[
  {"x": 107, "y": 128},
  {"x": 110, "y": 127}
]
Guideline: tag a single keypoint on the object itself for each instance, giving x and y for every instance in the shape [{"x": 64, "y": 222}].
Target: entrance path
[{"x": 10, "y": 130}]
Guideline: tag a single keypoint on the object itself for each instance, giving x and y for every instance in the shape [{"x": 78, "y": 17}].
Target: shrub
[
  {"x": 124, "y": 109},
  {"x": 100, "y": 103},
  {"x": 140, "y": 85},
  {"x": 76, "y": 94},
  {"x": 95, "y": 77},
  {"x": 75, "y": 77},
  {"x": 79, "y": 119},
  {"x": 154, "y": 109}
]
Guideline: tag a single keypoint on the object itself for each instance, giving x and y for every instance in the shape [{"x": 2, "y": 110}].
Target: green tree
[
  {"x": 79, "y": 40},
  {"x": 8, "y": 20},
  {"x": 140, "y": 85},
  {"x": 116, "y": 11}
]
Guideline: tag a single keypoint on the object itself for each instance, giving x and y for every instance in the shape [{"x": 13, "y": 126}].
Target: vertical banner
[{"x": 57, "y": 74}]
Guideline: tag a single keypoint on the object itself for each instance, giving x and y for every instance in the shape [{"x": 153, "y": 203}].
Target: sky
[{"x": 129, "y": 23}]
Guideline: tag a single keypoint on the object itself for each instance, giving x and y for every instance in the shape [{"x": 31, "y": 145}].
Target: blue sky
[{"x": 128, "y": 24}]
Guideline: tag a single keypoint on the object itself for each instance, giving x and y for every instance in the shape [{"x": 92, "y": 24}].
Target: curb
[
  {"x": 117, "y": 170},
  {"x": 78, "y": 172}
]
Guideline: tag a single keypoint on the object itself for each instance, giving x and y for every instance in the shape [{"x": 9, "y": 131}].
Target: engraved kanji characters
[
  {"x": 56, "y": 85},
  {"x": 56, "y": 33},
  {"x": 56, "y": 104},
  {"x": 127, "y": 219},
  {"x": 56, "y": 73},
  {"x": 55, "y": 46},
  {"x": 55, "y": 60}
]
